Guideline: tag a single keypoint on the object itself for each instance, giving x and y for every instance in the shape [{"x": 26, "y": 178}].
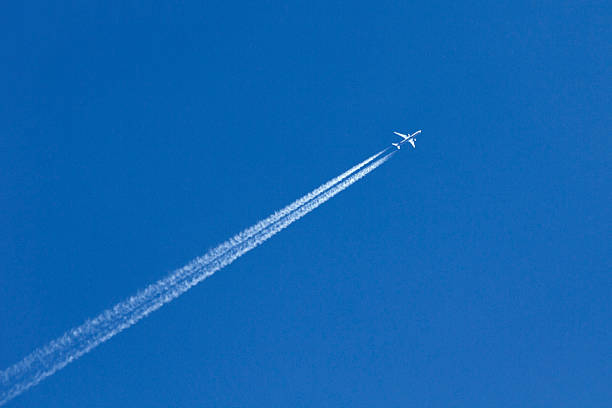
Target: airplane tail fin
[{"x": 396, "y": 145}]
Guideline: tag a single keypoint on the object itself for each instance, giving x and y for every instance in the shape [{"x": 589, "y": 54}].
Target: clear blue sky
[{"x": 472, "y": 271}]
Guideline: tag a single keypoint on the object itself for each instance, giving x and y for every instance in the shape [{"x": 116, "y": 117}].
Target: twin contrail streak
[{"x": 50, "y": 358}]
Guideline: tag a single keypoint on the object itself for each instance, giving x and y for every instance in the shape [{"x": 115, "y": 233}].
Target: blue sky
[{"x": 472, "y": 271}]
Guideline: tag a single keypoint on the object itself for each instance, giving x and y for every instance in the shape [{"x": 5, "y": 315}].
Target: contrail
[
  {"x": 48, "y": 359},
  {"x": 247, "y": 233}
]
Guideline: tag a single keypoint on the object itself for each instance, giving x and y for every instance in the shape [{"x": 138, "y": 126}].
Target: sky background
[{"x": 472, "y": 271}]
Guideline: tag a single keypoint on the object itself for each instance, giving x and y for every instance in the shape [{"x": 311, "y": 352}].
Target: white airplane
[{"x": 411, "y": 139}]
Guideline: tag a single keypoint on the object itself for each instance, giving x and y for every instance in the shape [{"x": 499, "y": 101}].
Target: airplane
[{"x": 411, "y": 139}]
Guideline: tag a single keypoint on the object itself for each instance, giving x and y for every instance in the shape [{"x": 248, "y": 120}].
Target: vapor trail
[
  {"x": 48, "y": 359},
  {"x": 247, "y": 233}
]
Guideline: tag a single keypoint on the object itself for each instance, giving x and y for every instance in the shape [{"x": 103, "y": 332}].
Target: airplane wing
[
  {"x": 412, "y": 143},
  {"x": 399, "y": 134}
]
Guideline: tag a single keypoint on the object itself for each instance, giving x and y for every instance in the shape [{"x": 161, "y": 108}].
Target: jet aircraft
[{"x": 410, "y": 139}]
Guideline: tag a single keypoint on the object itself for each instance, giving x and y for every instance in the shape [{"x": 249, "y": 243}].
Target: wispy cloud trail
[
  {"x": 247, "y": 233},
  {"x": 52, "y": 357}
]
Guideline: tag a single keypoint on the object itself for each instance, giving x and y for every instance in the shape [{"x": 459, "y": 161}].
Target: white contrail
[
  {"x": 214, "y": 253},
  {"x": 46, "y": 360},
  {"x": 247, "y": 233}
]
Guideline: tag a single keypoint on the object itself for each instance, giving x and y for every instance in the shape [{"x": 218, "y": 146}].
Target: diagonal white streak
[
  {"x": 247, "y": 233},
  {"x": 48, "y": 359}
]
